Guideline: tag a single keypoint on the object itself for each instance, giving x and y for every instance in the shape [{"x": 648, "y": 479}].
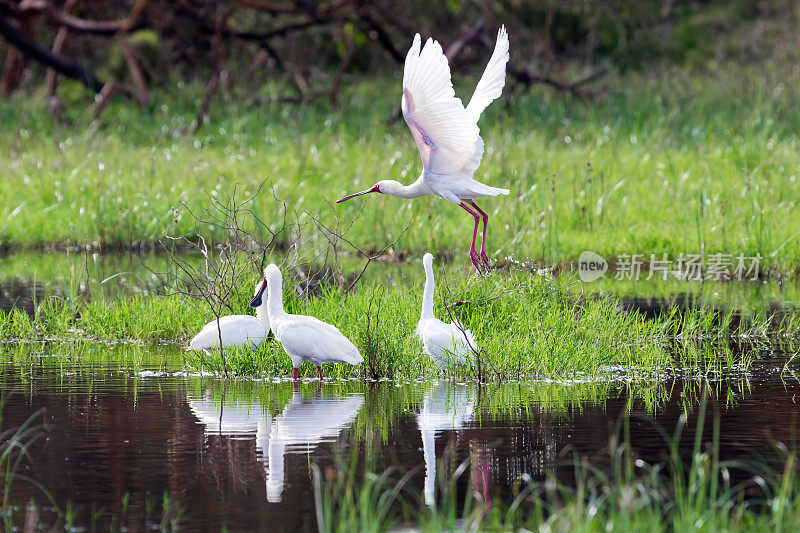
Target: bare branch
[
  {"x": 458, "y": 45},
  {"x": 60, "y": 64},
  {"x": 55, "y": 15}
]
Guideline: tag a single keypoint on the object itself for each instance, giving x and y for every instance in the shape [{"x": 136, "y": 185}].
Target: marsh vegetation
[{"x": 655, "y": 398}]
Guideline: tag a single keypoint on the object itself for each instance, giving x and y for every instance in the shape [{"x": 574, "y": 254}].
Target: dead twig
[
  {"x": 333, "y": 235},
  {"x": 212, "y": 274},
  {"x": 476, "y": 351}
]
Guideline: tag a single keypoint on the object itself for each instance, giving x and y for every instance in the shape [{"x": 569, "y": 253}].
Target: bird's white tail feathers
[{"x": 486, "y": 190}]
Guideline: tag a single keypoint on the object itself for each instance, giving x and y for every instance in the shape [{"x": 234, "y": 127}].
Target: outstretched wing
[
  {"x": 446, "y": 134},
  {"x": 493, "y": 80}
]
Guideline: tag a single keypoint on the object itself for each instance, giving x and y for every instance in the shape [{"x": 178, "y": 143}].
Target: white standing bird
[
  {"x": 304, "y": 338},
  {"x": 236, "y": 330},
  {"x": 445, "y": 343},
  {"x": 447, "y": 133}
]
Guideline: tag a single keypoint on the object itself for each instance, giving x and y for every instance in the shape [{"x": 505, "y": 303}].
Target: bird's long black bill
[
  {"x": 258, "y": 298},
  {"x": 365, "y": 191}
]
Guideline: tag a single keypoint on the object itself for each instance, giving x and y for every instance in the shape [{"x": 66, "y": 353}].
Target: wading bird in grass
[
  {"x": 445, "y": 343},
  {"x": 447, "y": 133},
  {"x": 235, "y": 330},
  {"x": 304, "y": 338}
]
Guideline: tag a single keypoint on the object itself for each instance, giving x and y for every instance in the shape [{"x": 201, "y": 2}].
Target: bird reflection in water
[
  {"x": 446, "y": 408},
  {"x": 299, "y": 429},
  {"x": 303, "y": 425}
]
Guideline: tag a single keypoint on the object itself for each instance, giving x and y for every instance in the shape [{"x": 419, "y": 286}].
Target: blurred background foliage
[{"x": 309, "y": 47}]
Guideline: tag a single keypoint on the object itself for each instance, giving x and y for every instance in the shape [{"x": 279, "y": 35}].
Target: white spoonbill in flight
[
  {"x": 304, "y": 338},
  {"x": 447, "y": 133},
  {"x": 445, "y": 343},
  {"x": 236, "y": 330}
]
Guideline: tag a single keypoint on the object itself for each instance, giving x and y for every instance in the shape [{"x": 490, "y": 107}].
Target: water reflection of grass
[
  {"x": 15, "y": 443},
  {"x": 385, "y": 403},
  {"x": 387, "y": 407},
  {"x": 617, "y": 492},
  {"x": 746, "y": 297}
]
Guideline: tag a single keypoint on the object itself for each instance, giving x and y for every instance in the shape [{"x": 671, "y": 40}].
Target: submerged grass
[
  {"x": 15, "y": 446},
  {"x": 670, "y": 162},
  {"x": 526, "y": 327}
]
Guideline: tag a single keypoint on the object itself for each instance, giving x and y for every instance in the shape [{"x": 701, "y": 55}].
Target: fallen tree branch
[
  {"x": 458, "y": 45},
  {"x": 574, "y": 89},
  {"x": 108, "y": 91},
  {"x": 52, "y": 76},
  {"x": 220, "y": 55},
  {"x": 136, "y": 72},
  {"x": 383, "y": 36},
  {"x": 300, "y": 7},
  {"x": 280, "y": 31},
  {"x": 339, "y": 74},
  {"x": 527, "y": 78},
  {"x": 60, "y": 64},
  {"x": 57, "y": 16}
]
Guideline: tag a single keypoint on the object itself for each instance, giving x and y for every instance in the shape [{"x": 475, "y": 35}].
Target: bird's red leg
[
  {"x": 485, "y": 218},
  {"x": 319, "y": 371},
  {"x": 473, "y": 254},
  {"x": 294, "y": 375}
]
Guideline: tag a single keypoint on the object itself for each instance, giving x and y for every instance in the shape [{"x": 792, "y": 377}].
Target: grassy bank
[
  {"x": 668, "y": 163},
  {"x": 526, "y": 327}
]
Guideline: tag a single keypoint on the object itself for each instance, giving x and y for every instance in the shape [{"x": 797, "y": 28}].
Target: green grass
[
  {"x": 526, "y": 326},
  {"x": 15, "y": 444},
  {"x": 672, "y": 161}
]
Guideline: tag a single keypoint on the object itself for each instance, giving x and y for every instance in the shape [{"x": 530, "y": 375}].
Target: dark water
[{"x": 241, "y": 455}]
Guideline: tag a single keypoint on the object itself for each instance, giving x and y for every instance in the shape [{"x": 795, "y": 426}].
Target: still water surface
[{"x": 240, "y": 455}]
